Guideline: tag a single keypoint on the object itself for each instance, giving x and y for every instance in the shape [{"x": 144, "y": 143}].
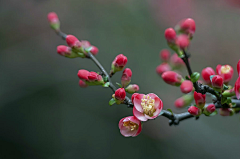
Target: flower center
[
  {"x": 148, "y": 105},
  {"x": 225, "y": 69},
  {"x": 130, "y": 125}
]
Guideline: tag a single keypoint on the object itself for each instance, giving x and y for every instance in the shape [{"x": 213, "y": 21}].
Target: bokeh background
[{"x": 44, "y": 114}]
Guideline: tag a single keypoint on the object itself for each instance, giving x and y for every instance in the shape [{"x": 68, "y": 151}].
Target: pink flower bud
[
  {"x": 225, "y": 71},
  {"x": 176, "y": 61},
  {"x": 184, "y": 101},
  {"x": 172, "y": 78},
  {"x": 53, "y": 20},
  {"x": 120, "y": 95},
  {"x": 66, "y": 51},
  {"x": 147, "y": 106},
  {"x": 182, "y": 41},
  {"x": 206, "y": 73},
  {"x": 73, "y": 42},
  {"x": 133, "y": 96},
  {"x": 132, "y": 88},
  {"x": 94, "y": 50},
  {"x": 237, "y": 88},
  {"x": 188, "y": 26},
  {"x": 186, "y": 86},
  {"x": 130, "y": 126},
  {"x": 163, "y": 68},
  {"x": 238, "y": 67},
  {"x": 200, "y": 99},
  {"x": 85, "y": 43},
  {"x": 170, "y": 35},
  {"x": 226, "y": 111},
  {"x": 93, "y": 76},
  {"x": 165, "y": 55},
  {"x": 195, "y": 111},
  {"x": 119, "y": 63},
  {"x": 82, "y": 84},
  {"x": 217, "y": 82},
  {"x": 209, "y": 109},
  {"x": 126, "y": 77},
  {"x": 83, "y": 74}
]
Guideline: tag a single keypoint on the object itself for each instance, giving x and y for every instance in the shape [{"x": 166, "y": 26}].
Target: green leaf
[
  {"x": 119, "y": 85},
  {"x": 112, "y": 101},
  {"x": 170, "y": 111},
  {"x": 88, "y": 49},
  {"x": 187, "y": 78},
  {"x": 229, "y": 100},
  {"x": 106, "y": 84},
  {"x": 105, "y": 78},
  {"x": 224, "y": 100},
  {"x": 195, "y": 77},
  {"x": 225, "y": 87},
  {"x": 214, "y": 113},
  {"x": 234, "y": 105}
]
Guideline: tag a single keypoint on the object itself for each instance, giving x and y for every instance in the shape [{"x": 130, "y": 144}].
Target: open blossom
[
  {"x": 130, "y": 126},
  {"x": 170, "y": 35},
  {"x": 165, "y": 55},
  {"x": 132, "y": 88},
  {"x": 147, "y": 106},
  {"x": 186, "y": 86},
  {"x": 172, "y": 78},
  {"x": 184, "y": 101},
  {"x": 126, "y": 77},
  {"x": 209, "y": 109},
  {"x": 217, "y": 82},
  {"x": 133, "y": 96},
  {"x": 82, "y": 84},
  {"x": 53, "y": 20},
  {"x": 195, "y": 111},
  {"x": 119, "y": 63},
  {"x": 206, "y": 73},
  {"x": 200, "y": 99},
  {"x": 163, "y": 68},
  {"x": 120, "y": 95},
  {"x": 176, "y": 61},
  {"x": 188, "y": 26},
  {"x": 237, "y": 88},
  {"x": 225, "y": 71},
  {"x": 73, "y": 42}
]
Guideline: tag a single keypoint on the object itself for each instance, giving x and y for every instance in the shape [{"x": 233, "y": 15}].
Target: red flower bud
[
  {"x": 130, "y": 126},
  {"x": 186, "y": 86},
  {"x": 209, "y": 109},
  {"x": 53, "y": 20},
  {"x": 64, "y": 50},
  {"x": 200, "y": 99},
  {"x": 119, "y": 63},
  {"x": 93, "y": 76},
  {"x": 126, "y": 77},
  {"x": 73, "y": 42},
  {"x": 194, "y": 111},
  {"x": 206, "y": 73},
  {"x": 172, "y": 78},
  {"x": 165, "y": 55},
  {"x": 83, "y": 74},
  {"x": 226, "y": 111},
  {"x": 176, "y": 61},
  {"x": 82, "y": 84},
  {"x": 184, "y": 101},
  {"x": 170, "y": 35},
  {"x": 225, "y": 71},
  {"x": 85, "y": 43},
  {"x": 182, "y": 41},
  {"x": 237, "y": 88},
  {"x": 132, "y": 88},
  {"x": 188, "y": 26},
  {"x": 238, "y": 68},
  {"x": 120, "y": 94},
  {"x": 94, "y": 50},
  {"x": 217, "y": 82},
  {"x": 133, "y": 96},
  {"x": 163, "y": 68}
]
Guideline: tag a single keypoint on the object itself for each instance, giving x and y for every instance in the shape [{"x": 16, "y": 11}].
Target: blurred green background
[{"x": 44, "y": 114}]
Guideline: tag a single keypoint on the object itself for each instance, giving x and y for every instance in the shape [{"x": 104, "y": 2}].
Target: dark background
[{"x": 44, "y": 114}]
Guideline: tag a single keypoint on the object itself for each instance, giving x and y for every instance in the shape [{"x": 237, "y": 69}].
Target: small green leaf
[
  {"x": 195, "y": 77},
  {"x": 119, "y": 85},
  {"x": 105, "y": 78},
  {"x": 88, "y": 49},
  {"x": 187, "y": 78},
  {"x": 112, "y": 101},
  {"x": 234, "y": 105},
  {"x": 229, "y": 100},
  {"x": 225, "y": 87},
  {"x": 106, "y": 84},
  {"x": 224, "y": 100},
  {"x": 170, "y": 111},
  {"x": 214, "y": 113}
]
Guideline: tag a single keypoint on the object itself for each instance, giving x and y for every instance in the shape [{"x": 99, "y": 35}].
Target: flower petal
[
  {"x": 140, "y": 116},
  {"x": 137, "y": 102}
]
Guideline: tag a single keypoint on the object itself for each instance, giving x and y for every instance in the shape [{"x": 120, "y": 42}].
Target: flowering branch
[{"x": 150, "y": 106}]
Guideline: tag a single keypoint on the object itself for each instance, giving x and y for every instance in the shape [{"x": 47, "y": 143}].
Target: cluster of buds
[{"x": 89, "y": 78}]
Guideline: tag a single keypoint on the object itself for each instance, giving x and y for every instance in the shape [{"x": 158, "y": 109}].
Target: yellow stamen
[
  {"x": 225, "y": 69},
  {"x": 148, "y": 105},
  {"x": 130, "y": 125}
]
